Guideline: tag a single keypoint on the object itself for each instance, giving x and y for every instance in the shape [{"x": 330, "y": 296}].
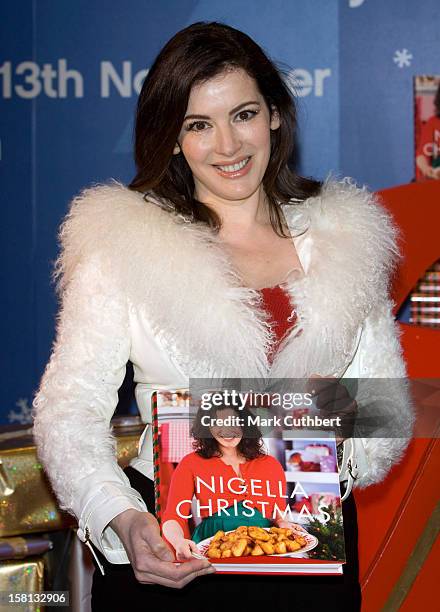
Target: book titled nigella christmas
[
  {"x": 249, "y": 503},
  {"x": 427, "y": 127}
]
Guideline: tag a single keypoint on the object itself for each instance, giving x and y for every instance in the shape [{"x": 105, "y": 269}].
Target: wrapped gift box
[
  {"x": 27, "y": 503},
  {"x": 19, "y": 547},
  {"x": 26, "y": 576}
]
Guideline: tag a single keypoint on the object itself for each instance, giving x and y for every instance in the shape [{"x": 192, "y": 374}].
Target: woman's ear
[
  {"x": 274, "y": 118},
  {"x": 176, "y": 149}
]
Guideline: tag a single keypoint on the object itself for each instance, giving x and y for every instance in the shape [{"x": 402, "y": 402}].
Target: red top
[
  {"x": 261, "y": 481},
  {"x": 276, "y": 302}
]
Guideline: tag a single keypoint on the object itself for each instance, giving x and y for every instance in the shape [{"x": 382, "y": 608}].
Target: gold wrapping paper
[
  {"x": 25, "y": 576},
  {"x": 27, "y": 503}
]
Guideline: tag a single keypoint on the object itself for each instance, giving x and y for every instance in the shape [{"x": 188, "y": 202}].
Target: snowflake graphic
[
  {"x": 23, "y": 415},
  {"x": 402, "y": 58}
]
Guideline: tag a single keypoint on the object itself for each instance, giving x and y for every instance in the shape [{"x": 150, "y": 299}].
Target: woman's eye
[
  {"x": 246, "y": 115},
  {"x": 196, "y": 126},
  {"x": 201, "y": 126}
]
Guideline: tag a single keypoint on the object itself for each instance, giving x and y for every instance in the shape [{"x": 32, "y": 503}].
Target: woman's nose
[{"x": 227, "y": 141}]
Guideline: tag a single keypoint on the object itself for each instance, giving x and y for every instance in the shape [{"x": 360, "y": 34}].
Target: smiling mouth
[{"x": 232, "y": 168}]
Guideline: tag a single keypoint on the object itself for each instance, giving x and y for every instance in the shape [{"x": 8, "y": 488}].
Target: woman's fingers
[
  {"x": 333, "y": 400},
  {"x": 186, "y": 549},
  {"x": 154, "y": 541},
  {"x": 183, "y": 552},
  {"x": 293, "y": 526},
  {"x": 149, "y": 555},
  {"x": 344, "y": 407},
  {"x": 317, "y": 383},
  {"x": 193, "y": 546},
  {"x": 151, "y": 570},
  {"x": 331, "y": 395},
  {"x": 161, "y": 550},
  {"x": 327, "y": 391},
  {"x": 297, "y": 529}
]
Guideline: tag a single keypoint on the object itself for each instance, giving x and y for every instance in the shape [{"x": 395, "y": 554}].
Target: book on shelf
[
  {"x": 248, "y": 502},
  {"x": 427, "y": 127}
]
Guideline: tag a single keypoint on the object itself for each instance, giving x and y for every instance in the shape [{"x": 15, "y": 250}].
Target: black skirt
[{"x": 119, "y": 590}]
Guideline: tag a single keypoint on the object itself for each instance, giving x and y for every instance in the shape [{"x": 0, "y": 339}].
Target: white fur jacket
[{"x": 139, "y": 283}]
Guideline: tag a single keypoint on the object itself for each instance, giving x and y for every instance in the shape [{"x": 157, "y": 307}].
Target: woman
[
  {"x": 228, "y": 457},
  {"x": 216, "y": 212}
]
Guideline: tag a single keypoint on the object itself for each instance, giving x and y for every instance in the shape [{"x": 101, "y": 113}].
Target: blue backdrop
[{"x": 69, "y": 76}]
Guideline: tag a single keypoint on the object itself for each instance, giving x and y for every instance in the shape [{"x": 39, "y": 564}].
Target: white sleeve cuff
[{"x": 108, "y": 501}]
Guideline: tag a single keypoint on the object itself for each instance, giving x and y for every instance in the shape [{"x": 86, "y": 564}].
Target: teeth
[{"x": 235, "y": 167}]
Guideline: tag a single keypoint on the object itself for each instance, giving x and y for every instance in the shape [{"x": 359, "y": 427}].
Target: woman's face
[
  {"x": 225, "y": 137},
  {"x": 227, "y": 436}
]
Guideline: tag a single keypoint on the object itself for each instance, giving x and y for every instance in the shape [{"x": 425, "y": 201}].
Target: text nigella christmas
[{"x": 255, "y": 488}]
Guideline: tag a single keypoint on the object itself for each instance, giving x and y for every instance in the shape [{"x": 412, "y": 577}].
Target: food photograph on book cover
[{"x": 250, "y": 503}]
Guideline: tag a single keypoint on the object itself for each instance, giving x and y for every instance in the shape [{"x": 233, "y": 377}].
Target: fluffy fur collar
[{"x": 177, "y": 274}]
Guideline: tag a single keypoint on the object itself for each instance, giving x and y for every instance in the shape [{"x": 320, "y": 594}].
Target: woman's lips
[{"x": 235, "y": 173}]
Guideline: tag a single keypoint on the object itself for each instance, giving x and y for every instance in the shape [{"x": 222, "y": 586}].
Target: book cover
[
  {"x": 250, "y": 503},
  {"x": 427, "y": 127}
]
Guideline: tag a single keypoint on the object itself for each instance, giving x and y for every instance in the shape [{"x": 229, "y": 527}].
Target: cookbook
[
  {"x": 249, "y": 500},
  {"x": 427, "y": 127}
]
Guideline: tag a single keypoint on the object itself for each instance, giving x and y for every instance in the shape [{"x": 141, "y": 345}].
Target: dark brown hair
[
  {"x": 195, "y": 54},
  {"x": 437, "y": 102},
  {"x": 206, "y": 445}
]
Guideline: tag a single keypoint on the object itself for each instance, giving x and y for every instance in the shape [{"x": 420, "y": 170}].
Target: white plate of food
[{"x": 249, "y": 541}]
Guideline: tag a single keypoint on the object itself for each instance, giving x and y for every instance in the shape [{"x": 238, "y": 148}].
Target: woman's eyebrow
[{"x": 231, "y": 112}]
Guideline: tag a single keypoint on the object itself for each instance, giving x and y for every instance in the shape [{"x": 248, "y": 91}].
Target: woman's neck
[
  {"x": 229, "y": 453},
  {"x": 240, "y": 216},
  {"x": 231, "y": 456}
]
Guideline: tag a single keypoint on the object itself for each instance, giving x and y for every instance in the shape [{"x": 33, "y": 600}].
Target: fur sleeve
[
  {"x": 383, "y": 396},
  {"x": 78, "y": 391},
  {"x": 76, "y": 400}
]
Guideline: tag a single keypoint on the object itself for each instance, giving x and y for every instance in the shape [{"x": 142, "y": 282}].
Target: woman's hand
[
  {"x": 297, "y": 529},
  {"x": 333, "y": 400},
  {"x": 149, "y": 555},
  {"x": 184, "y": 549},
  {"x": 174, "y": 534}
]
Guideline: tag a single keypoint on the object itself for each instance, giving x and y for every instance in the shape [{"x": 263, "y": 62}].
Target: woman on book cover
[
  {"x": 226, "y": 458},
  {"x": 428, "y": 146},
  {"x": 217, "y": 261}
]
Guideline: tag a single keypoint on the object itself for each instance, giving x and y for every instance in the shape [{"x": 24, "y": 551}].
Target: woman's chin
[
  {"x": 239, "y": 192},
  {"x": 231, "y": 191},
  {"x": 230, "y": 442}
]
